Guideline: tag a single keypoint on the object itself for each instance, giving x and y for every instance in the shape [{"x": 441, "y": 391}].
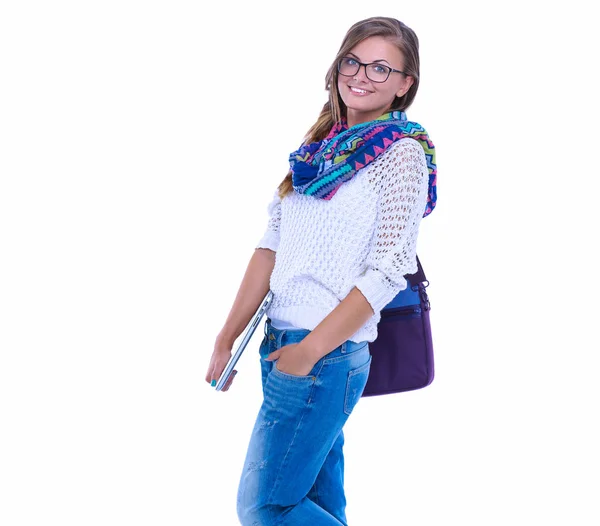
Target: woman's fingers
[
  {"x": 212, "y": 374},
  {"x": 274, "y": 355},
  {"x": 209, "y": 373},
  {"x": 217, "y": 365},
  {"x": 211, "y": 370}
]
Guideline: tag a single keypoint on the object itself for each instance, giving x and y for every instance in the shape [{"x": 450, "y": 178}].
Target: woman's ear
[{"x": 408, "y": 82}]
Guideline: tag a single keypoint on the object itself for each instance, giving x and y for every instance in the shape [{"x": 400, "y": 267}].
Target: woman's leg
[
  {"x": 298, "y": 425},
  {"x": 328, "y": 490}
]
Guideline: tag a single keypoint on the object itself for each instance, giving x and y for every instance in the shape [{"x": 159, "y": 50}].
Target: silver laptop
[{"x": 248, "y": 332}]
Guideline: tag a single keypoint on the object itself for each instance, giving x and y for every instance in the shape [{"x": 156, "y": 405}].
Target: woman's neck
[{"x": 353, "y": 118}]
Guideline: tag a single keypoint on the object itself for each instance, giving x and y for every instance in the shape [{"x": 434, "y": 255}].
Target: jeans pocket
[
  {"x": 355, "y": 385},
  {"x": 310, "y": 376}
]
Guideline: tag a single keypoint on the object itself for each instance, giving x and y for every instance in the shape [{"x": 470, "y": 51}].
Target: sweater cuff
[
  {"x": 270, "y": 240},
  {"x": 377, "y": 289}
]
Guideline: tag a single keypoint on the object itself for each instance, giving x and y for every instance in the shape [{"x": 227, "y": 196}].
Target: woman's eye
[
  {"x": 350, "y": 61},
  {"x": 379, "y": 69}
]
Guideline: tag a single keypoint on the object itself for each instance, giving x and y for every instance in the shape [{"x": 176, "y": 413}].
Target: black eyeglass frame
[{"x": 360, "y": 64}]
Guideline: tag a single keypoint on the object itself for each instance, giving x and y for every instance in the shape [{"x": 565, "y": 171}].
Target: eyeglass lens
[{"x": 375, "y": 72}]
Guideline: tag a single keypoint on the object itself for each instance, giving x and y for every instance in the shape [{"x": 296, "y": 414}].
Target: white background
[{"x": 140, "y": 143}]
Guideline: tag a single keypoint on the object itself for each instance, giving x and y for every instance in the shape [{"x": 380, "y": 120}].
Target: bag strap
[{"x": 418, "y": 276}]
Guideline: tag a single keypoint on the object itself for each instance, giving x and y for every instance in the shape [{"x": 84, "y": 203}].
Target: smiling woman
[
  {"x": 343, "y": 224},
  {"x": 368, "y": 88}
]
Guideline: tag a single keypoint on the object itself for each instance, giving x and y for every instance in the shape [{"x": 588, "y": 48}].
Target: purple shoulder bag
[{"x": 402, "y": 353}]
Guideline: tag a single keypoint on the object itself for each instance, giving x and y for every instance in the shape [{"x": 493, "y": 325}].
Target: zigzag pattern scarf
[{"x": 320, "y": 168}]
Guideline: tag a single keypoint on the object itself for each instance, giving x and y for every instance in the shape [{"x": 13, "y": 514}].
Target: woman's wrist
[{"x": 225, "y": 338}]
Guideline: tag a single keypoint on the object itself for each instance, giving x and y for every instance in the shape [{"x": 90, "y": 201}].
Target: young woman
[{"x": 344, "y": 224}]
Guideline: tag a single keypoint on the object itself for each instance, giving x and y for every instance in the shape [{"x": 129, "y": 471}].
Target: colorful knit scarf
[{"x": 320, "y": 168}]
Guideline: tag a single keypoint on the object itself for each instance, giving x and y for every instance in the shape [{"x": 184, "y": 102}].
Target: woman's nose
[{"x": 359, "y": 74}]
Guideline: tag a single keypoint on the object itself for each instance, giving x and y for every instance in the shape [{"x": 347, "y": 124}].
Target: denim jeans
[{"x": 294, "y": 468}]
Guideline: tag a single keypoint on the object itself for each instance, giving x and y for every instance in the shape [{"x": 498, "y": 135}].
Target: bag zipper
[{"x": 409, "y": 310}]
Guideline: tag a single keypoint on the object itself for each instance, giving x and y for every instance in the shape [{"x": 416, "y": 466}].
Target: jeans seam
[
  {"x": 283, "y": 462},
  {"x": 351, "y": 375},
  {"x": 343, "y": 357}
]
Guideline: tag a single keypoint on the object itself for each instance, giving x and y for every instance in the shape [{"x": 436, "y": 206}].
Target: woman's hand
[
  {"x": 218, "y": 361},
  {"x": 292, "y": 359}
]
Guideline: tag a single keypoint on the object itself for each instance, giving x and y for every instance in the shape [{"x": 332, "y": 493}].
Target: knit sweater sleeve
[
  {"x": 270, "y": 238},
  {"x": 403, "y": 181}
]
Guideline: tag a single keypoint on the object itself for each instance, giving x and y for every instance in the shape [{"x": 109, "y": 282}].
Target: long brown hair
[{"x": 334, "y": 109}]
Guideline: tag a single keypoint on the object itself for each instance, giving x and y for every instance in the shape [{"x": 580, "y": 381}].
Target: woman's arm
[
  {"x": 255, "y": 283},
  {"x": 254, "y": 287},
  {"x": 252, "y": 291},
  {"x": 341, "y": 323},
  {"x": 401, "y": 205}
]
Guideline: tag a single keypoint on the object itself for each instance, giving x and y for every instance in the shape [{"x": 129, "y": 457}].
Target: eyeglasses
[{"x": 375, "y": 72}]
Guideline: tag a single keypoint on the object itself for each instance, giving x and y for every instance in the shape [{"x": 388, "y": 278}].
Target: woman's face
[{"x": 366, "y": 100}]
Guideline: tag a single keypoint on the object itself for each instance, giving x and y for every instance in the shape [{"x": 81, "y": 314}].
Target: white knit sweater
[{"x": 364, "y": 237}]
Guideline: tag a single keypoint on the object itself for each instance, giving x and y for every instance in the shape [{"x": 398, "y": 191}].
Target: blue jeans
[{"x": 294, "y": 468}]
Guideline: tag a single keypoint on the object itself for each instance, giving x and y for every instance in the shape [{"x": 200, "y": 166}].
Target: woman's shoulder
[
  {"x": 407, "y": 144},
  {"x": 400, "y": 152}
]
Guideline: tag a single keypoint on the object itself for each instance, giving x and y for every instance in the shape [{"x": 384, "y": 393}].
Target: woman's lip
[{"x": 360, "y": 93}]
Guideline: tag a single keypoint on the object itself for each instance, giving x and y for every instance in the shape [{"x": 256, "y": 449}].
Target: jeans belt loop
[{"x": 280, "y": 338}]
